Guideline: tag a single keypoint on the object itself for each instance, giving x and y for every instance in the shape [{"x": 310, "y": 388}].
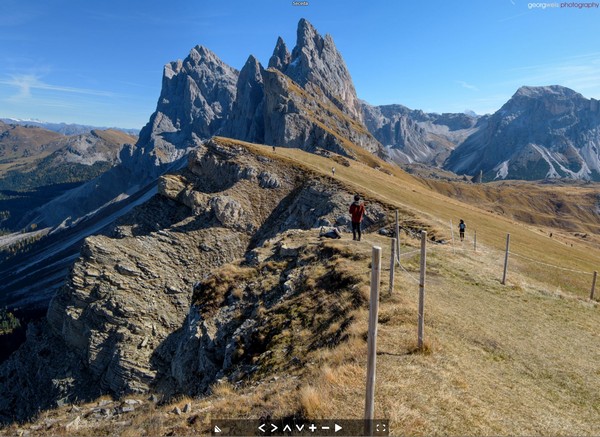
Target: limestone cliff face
[{"x": 116, "y": 326}]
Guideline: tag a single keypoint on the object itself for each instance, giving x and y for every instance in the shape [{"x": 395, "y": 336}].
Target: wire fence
[{"x": 485, "y": 250}]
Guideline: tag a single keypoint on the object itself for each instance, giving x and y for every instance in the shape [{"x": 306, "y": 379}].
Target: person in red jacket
[{"x": 357, "y": 211}]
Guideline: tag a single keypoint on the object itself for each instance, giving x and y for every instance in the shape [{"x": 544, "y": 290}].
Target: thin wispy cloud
[
  {"x": 513, "y": 17},
  {"x": 467, "y": 86},
  {"x": 25, "y": 83}
]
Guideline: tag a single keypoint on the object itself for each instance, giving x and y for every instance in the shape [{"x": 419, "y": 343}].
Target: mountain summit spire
[
  {"x": 281, "y": 56},
  {"x": 316, "y": 62}
]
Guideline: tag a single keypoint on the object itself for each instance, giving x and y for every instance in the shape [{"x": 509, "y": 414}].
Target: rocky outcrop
[
  {"x": 541, "y": 132},
  {"x": 250, "y": 319},
  {"x": 415, "y": 136},
  {"x": 89, "y": 149},
  {"x": 115, "y": 327}
]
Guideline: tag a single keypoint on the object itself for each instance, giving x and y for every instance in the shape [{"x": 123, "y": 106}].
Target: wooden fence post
[
  {"x": 506, "y": 259},
  {"x": 593, "y": 285},
  {"x": 392, "y": 264},
  {"x": 422, "y": 290},
  {"x": 372, "y": 339},
  {"x": 397, "y": 239},
  {"x": 452, "y": 232}
]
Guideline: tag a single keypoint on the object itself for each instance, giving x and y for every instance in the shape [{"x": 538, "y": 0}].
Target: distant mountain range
[
  {"x": 66, "y": 128},
  {"x": 37, "y": 165}
]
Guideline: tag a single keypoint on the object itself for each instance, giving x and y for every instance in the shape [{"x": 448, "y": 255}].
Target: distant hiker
[
  {"x": 357, "y": 211},
  {"x": 461, "y": 229},
  {"x": 273, "y": 148},
  {"x": 333, "y": 171}
]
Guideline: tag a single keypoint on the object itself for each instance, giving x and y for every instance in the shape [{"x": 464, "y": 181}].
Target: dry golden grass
[{"x": 222, "y": 389}]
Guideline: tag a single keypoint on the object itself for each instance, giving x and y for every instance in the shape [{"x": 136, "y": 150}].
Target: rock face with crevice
[{"x": 116, "y": 326}]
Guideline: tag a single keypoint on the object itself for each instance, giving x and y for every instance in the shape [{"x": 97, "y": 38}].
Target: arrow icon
[
  {"x": 300, "y": 427},
  {"x": 274, "y": 427},
  {"x": 287, "y": 428},
  {"x": 217, "y": 429},
  {"x": 337, "y": 427},
  {"x": 262, "y": 428}
]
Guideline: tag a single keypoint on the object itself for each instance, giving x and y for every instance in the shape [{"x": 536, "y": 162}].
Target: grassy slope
[
  {"x": 519, "y": 359},
  {"x": 411, "y": 194}
]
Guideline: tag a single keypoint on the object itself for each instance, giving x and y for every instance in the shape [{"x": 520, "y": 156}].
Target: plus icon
[{"x": 312, "y": 427}]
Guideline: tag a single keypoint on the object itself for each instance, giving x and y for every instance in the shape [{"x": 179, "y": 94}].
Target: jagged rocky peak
[
  {"x": 416, "y": 136},
  {"x": 281, "y": 56},
  {"x": 251, "y": 72},
  {"x": 315, "y": 61},
  {"x": 304, "y": 100}
]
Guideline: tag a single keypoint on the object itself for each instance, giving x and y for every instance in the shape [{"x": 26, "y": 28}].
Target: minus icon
[{"x": 324, "y": 427}]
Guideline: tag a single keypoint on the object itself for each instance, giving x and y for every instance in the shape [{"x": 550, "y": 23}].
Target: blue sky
[{"x": 100, "y": 62}]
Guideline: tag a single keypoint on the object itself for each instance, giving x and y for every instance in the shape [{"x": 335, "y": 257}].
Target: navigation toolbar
[{"x": 294, "y": 427}]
